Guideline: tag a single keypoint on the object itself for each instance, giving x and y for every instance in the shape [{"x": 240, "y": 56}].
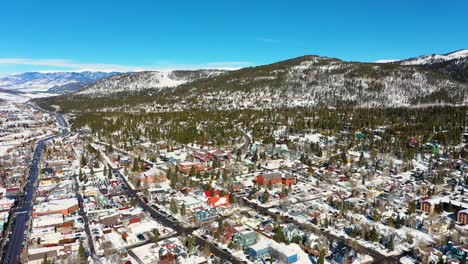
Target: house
[
  {"x": 259, "y": 250},
  {"x": 291, "y": 231},
  {"x": 157, "y": 193},
  {"x": 217, "y": 201},
  {"x": 272, "y": 178},
  {"x": 206, "y": 215},
  {"x": 245, "y": 238},
  {"x": 436, "y": 225},
  {"x": 191, "y": 203},
  {"x": 269, "y": 247}
]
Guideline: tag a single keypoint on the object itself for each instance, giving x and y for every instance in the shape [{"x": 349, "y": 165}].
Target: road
[
  {"x": 84, "y": 215},
  {"x": 17, "y": 238},
  {"x": 248, "y": 141},
  {"x": 181, "y": 230}
]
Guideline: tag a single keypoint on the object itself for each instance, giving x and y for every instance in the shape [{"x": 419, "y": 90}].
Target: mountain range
[
  {"x": 304, "y": 81},
  {"x": 54, "y": 82}
]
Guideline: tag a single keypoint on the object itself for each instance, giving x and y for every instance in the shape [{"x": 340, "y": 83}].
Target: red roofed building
[
  {"x": 134, "y": 220},
  {"x": 218, "y": 201},
  {"x": 12, "y": 191},
  {"x": 272, "y": 178},
  {"x": 185, "y": 167},
  {"x": 289, "y": 180},
  {"x": 208, "y": 192}
]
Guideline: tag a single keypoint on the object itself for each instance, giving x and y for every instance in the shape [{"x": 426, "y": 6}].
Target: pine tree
[
  {"x": 173, "y": 206},
  {"x": 83, "y": 160},
  {"x": 192, "y": 171},
  {"x": 266, "y": 196},
  {"x": 156, "y": 235},
  {"x": 45, "y": 260},
  {"x": 411, "y": 208},
  {"x": 361, "y": 160},
  {"x": 190, "y": 243},
  {"x": 135, "y": 167},
  {"x": 82, "y": 254},
  {"x": 450, "y": 207},
  {"x": 377, "y": 216},
  {"x": 391, "y": 244},
  {"x": 321, "y": 258},
  {"x": 183, "y": 210},
  {"x": 109, "y": 172},
  {"x": 278, "y": 234},
  {"x": 374, "y": 236}
]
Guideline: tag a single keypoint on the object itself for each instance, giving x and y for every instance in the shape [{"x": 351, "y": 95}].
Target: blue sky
[{"x": 134, "y": 35}]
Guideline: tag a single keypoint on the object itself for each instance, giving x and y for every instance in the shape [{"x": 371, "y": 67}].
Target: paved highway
[{"x": 17, "y": 238}]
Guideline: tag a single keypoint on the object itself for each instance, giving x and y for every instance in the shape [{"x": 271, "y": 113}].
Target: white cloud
[{"x": 69, "y": 65}]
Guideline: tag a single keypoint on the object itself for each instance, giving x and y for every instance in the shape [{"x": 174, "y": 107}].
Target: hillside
[
  {"x": 303, "y": 81},
  {"x": 313, "y": 80},
  {"x": 435, "y": 58},
  {"x": 138, "y": 81},
  {"x": 453, "y": 64}
]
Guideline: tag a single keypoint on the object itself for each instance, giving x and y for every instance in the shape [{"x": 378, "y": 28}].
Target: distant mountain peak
[
  {"x": 435, "y": 58},
  {"x": 51, "y": 82}
]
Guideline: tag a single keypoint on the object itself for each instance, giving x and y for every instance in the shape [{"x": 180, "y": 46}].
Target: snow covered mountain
[
  {"x": 138, "y": 81},
  {"x": 315, "y": 80},
  {"x": 435, "y": 58},
  {"x": 453, "y": 64},
  {"x": 306, "y": 81},
  {"x": 55, "y": 82}
]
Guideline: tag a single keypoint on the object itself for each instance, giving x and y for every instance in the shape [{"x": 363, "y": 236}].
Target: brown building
[
  {"x": 463, "y": 217},
  {"x": 427, "y": 206},
  {"x": 272, "y": 178},
  {"x": 186, "y": 167}
]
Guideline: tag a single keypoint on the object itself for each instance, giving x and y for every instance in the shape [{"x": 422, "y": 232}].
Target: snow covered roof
[{"x": 55, "y": 205}]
